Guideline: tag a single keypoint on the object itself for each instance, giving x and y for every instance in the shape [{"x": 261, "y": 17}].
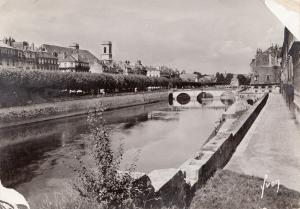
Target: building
[
  {"x": 74, "y": 59},
  {"x": 106, "y": 51},
  {"x": 21, "y": 55},
  {"x": 29, "y": 52},
  {"x": 73, "y": 63},
  {"x": 152, "y": 72},
  {"x": 190, "y": 77},
  {"x": 290, "y": 79},
  {"x": 266, "y": 67},
  {"x": 206, "y": 79},
  {"x": 234, "y": 81},
  {"x": 288, "y": 13},
  {"x": 46, "y": 61},
  {"x": 9, "y": 56}
]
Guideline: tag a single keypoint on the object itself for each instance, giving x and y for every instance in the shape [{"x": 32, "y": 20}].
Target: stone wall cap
[{"x": 160, "y": 177}]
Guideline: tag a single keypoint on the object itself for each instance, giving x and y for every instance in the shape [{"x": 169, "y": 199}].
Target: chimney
[{"x": 75, "y": 46}]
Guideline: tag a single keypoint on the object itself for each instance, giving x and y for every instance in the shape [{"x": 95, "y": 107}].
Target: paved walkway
[{"x": 272, "y": 146}]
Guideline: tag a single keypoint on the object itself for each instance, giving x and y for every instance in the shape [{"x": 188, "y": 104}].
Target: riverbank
[{"x": 48, "y": 111}]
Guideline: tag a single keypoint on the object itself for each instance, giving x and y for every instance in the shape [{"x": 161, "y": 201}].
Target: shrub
[{"x": 104, "y": 183}]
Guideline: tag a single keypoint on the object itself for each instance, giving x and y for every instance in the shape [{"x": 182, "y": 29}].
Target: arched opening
[
  {"x": 183, "y": 98},
  {"x": 204, "y": 97},
  {"x": 170, "y": 97}
]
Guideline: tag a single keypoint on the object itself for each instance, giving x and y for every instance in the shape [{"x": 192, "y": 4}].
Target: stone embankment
[
  {"x": 168, "y": 187},
  {"x": 48, "y": 111}
]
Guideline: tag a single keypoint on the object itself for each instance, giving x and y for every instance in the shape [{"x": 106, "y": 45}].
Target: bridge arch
[
  {"x": 171, "y": 98},
  {"x": 183, "y": 98},
  {"x": 227, "y": 98},
  {"x": 204, "y": 96}
]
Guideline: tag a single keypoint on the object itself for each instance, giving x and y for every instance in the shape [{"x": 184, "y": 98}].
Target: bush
[{"x": 104, "y": 183}]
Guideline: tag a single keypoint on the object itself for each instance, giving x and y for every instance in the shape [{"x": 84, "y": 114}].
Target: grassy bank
[{"x": 229, "y": 190}]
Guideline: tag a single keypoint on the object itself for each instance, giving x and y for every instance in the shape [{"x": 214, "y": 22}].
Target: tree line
[{"x": 37, "y": 80}]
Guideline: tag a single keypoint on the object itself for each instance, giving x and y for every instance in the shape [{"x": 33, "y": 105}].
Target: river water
[{"x": 37, "y": 158}]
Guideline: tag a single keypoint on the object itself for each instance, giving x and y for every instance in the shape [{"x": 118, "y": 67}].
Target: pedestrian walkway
[{"x": 271, "y": 146}]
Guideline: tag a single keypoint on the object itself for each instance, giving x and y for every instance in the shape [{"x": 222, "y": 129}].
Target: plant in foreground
[{"x": 103, "y": 182}]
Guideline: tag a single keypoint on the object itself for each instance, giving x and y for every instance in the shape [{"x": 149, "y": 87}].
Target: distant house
[
  {"x": 153, "y": 72},
  {"x": 266, "y": 67},
  {"x": 74, "y": 59},
  {"x": 189, "y": 77},
  {"x": 21, "y": 55},
  {"x": 208, "y": 79},
  {"x": 234, "y": 81},
  {"x": 29, "y": 53},
  {"x": 73, "y": 63},
  {"x": 10, "y": 56},
  {"x": 46, "y": 61}
]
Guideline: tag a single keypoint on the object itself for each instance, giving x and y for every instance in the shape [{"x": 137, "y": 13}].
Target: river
[{"x": 37, "y": 158}]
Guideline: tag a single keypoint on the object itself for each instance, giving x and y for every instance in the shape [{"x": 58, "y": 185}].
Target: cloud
[{"x": 192, "y": 34}]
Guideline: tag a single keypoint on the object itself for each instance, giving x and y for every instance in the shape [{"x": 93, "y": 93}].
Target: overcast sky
[{"x": 195, "y": 35}]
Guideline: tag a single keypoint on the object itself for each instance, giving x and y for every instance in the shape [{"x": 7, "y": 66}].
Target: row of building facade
[
  {"x": 22, "y": 55},
  {"x": 279, "y": 67}
]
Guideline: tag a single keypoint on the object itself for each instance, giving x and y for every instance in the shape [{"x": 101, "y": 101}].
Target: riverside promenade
[{"x": 271, "y": 146}]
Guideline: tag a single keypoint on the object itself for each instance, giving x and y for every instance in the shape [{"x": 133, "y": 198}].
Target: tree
[
  {"x": 243, "y": 80},
  {"x": 228, "y": 78},
  {"x": 198, "y": 74},
  {"x": 220, "y": 78}
]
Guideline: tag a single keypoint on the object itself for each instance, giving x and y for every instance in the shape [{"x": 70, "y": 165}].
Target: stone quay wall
[{"x": 49, "y": 111}]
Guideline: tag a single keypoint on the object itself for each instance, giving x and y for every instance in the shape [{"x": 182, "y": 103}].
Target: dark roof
[
  {"x": 83, "y": 55},
  {"x": 45, "y": 55}
]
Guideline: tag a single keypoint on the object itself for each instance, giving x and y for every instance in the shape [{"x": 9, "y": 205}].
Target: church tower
[{"x": 106, "y": 51}]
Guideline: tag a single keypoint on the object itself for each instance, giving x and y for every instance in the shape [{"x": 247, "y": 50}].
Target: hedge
[
  {"x": 42, "y": 79},
  {"x": 37, "y": 79}
]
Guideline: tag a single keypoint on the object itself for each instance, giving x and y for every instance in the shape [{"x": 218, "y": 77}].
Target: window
[
  {"x": 268, "y": 77},
  {"x": 256, "y": 78},
  {"x": 104, "y": 50}
]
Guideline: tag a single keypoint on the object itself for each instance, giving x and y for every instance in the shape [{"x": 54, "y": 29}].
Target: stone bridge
[{"x": 186, "y": 96}]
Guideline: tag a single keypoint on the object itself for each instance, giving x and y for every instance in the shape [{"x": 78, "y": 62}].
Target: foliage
[
  {"x": 169, "y": 72},
  {"x": 243, "y": 80},
  {"x": 104, "y": 183},
  {"x": 224, "y": 80},
  {"x": 37, "y": 79},
  {"x": 228, "y": 78}
]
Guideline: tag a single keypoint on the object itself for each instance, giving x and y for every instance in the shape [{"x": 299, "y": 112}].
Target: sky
[{"x": 208, "y": 36}]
